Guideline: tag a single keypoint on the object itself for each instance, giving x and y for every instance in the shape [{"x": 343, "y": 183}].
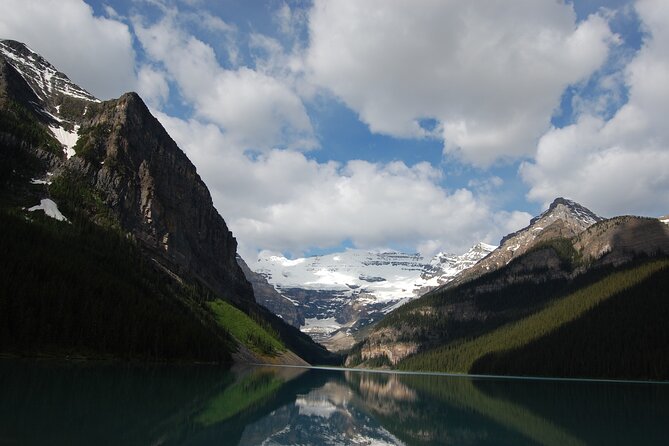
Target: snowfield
[{"x": 382, "y": 276}]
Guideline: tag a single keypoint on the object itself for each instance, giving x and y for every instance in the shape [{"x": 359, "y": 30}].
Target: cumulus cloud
[
  {"x": 153, "y": 86},
  {"x": 619, "y": 165},
  {"x": 95, "y": 52},
  {"x": 256, "y": 110},
  {"x": 283, "y": 201},
  {"x": 490, "y": 76},
  {"x": 279, "y": 199}
]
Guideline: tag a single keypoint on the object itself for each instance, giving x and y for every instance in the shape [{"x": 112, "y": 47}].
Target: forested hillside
[
  {"x": 82, "y": 290},
  {"x": 592, "y": 305},
  {"x": 611, "y": 328}
]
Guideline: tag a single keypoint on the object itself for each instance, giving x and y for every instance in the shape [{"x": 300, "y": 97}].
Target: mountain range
[
  {"x": 336, "y": 296},
  {"x": 112, "y": 248},
  {"x": 112, "y": 176},
  {"x": 572, "y": 294}
]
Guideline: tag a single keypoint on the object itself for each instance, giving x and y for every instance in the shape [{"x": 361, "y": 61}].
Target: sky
[{"x": 417, "y": 125}]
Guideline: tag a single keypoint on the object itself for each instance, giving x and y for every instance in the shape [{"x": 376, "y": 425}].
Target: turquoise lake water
[{"x": 51, "y": 403}]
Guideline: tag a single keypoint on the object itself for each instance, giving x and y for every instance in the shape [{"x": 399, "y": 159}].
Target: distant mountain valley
[
  {"x": 112, "y": 249},
  {"x": 335, "y": 297}
]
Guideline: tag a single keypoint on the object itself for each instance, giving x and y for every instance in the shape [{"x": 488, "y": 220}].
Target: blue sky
[{"x": 415, "y": 125}]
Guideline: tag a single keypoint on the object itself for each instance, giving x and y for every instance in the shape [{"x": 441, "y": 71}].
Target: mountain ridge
[
  {"x": 574, "y": 254},
  {"x": 338, "y": 295},
  {"x": 112, "y": 163},
  {"x": 564, "y": 218}
]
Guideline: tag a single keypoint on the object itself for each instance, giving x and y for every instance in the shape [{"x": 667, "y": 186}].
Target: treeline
[
  {"x": 610, "y": 328},
  {"x": 20, "y": 122},
  {"x": 625, "y": 336},
  {"x": 85, "y": 290}
]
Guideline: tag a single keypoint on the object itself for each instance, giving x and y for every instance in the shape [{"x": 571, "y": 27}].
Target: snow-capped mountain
[
  {"x": 563, "y": 219},
  {"x": 113, "y": 164},
  {"x": 446, "y": 266},
  {"x": 59, "y": 98},
  {"x": 44, "y": 79},
  {"x": 337, "y": 294}
]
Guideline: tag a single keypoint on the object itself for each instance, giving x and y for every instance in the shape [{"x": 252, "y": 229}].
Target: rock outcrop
[
  {"x": 156, "y": 194},
  {"x": 620, "y": 239},
  {"x": 563, "y": 219},
  {"x": 270, "y": 298},
  {"x": 115, "y": 165}
]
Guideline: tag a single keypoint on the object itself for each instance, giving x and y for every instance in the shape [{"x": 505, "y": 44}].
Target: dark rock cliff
[
  {"x": 125, "y": 155},
  {"x": 125, "y": 173},
  {"x": 270, "y": 298},
  {"x": 156, "y": 194}
]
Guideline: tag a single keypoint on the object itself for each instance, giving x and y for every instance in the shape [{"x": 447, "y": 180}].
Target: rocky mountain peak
[
  {"x": 48, "y": 84},
  {"x": 572, "y": 217},
  {"x": 142, "y": 181},
  {"x": 562, "y": 208},
  {"x": 564, "y": 218}
]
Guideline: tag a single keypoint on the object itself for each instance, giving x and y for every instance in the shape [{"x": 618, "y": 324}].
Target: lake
[{"x": 46, "y": 402}]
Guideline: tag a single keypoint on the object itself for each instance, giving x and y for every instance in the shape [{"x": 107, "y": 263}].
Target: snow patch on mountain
[
  {"x": 67, "y": 139},
  {"x": 50, "y": 208},
  {"x": 42, "y": 77}
]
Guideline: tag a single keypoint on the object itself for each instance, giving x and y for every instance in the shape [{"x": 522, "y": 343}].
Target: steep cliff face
[
  {"x": 148, "y": 185},
  {"x": 270, "y": 298},
  {"x": 156, "y": 193},
  {"x": 112, "y": 163}
]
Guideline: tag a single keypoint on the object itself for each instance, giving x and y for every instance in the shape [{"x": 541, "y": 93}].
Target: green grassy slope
[
  {"x": 462, "y": 355},
  {"x": 257, "y": 338}
]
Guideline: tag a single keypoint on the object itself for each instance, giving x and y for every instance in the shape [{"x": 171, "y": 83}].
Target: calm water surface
[{"x": 52, "y": 403}]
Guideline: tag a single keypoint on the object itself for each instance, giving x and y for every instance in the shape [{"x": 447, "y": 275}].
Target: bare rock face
[
  {"x": 125, "y": 158},
  {"x": 395, "y": 352},
  {"x": 621, "y": 239},
  {"x": 563, "y": 219},
  {"x": 157, "y": 195},
  {"x": 269, "y": 298}
]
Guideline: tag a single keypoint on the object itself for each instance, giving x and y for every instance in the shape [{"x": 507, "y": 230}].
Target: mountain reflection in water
[{"x": 44, "y": 402}]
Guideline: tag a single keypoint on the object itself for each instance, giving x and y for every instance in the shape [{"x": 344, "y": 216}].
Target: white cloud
[
  {"x": 491, "y": 76},
  {"x": 152, "y": 86},
  {"x": 620, "y": 165},
  {"x": 283, "y": 201},
  {"x": 95, "y": 52},
  {"x": 256, "y": 110},
  {"x": 279, "y": 199}
]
